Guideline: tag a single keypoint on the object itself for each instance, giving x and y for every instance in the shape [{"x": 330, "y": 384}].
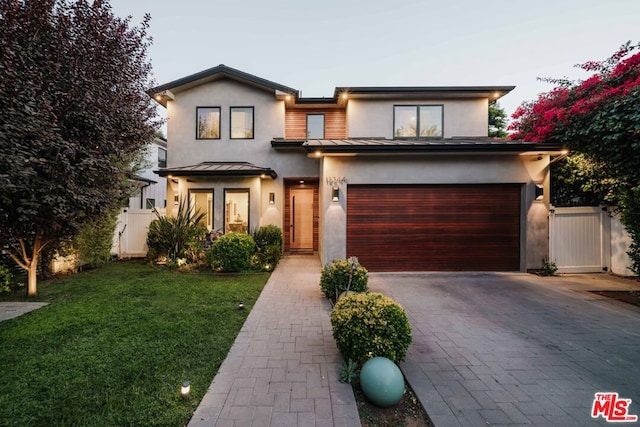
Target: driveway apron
[
  {"x": 502, "y": 348},
  {"x": 283, "y": 368}
]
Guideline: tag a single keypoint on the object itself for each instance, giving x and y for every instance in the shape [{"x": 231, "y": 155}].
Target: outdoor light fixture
[
  {"x": 335, "y": 194},
  {"x": 539, "y": 192},
  {"x": 272, "y": 198},
  {"x": 185, "y": 389},
  {"x": 240, "y": 306}
]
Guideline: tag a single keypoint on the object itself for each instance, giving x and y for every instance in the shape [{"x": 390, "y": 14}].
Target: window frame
[
  {"x": 213, "y": 107},
  {"x": 146, "y": 203},
  {"x": 324, "y": 122},
  {"x": 162, "y": 163},
  {"x": 253, "y": 121},
  {"x": 246, "y": 190},
  {"x": 211, "y": 191},
  {"x": 418, "y": 124}
]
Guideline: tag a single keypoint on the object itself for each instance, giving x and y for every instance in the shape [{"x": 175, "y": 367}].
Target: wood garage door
[{"x": 434, "y": 227}]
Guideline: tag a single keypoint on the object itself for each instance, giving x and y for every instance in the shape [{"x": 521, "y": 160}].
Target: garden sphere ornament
[{"x": 382, "y": 382}]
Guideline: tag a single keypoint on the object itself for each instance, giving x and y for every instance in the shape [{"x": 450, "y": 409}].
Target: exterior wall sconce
[
  {"x": 335, "y": 194},
  {"x": 539, "y": 192},
  {"x": 272, "y": 198},
  {"x": 185, "y": 389}
]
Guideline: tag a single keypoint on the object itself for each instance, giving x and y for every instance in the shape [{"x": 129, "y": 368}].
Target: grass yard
[{"x": 115, "y": 344}]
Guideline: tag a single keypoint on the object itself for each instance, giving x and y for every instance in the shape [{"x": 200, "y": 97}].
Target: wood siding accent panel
[
  {"x": 286, "y": 233},
  {"x": 295, "y": 123},
  {"x": 435, "y": 227}
]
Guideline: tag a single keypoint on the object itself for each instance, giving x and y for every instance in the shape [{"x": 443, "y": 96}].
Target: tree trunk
[
  {"x": 20, "y": 254},
  {"x": 32, "y": 286}
]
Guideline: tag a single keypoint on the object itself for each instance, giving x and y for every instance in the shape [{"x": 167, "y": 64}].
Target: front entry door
[{"x": 301, "y": 202}]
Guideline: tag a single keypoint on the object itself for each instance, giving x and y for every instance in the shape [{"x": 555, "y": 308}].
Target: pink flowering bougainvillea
[{"x": 599, "y": 119}]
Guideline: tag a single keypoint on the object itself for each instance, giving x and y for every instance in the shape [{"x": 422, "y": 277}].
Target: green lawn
[{"x": 115, "y": 344}]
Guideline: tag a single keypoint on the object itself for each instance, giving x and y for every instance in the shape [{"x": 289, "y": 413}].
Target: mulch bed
[
  {"x": 630, "y": 297},
  {"x": 408, "y": 413}
]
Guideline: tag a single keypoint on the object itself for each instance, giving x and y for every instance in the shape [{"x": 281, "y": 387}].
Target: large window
[
  {"x": 315, "y": 126},
  {"x": 236, "y": 210},
  {"x": 208, "y": 123},
  {"x": 417, "y": 121},
  {"x": 241, "y": 122},
  {"x": 162, "y": 158},
  {"x": 202, "y": 202}
]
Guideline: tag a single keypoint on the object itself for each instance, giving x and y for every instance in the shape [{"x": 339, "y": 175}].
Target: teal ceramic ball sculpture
[{"x": 382, "y": 382}]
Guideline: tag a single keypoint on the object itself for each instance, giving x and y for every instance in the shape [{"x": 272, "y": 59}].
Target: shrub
[
  {"x": 93, "y": 243},
  {"x": 366, "y": 325},
  {"x": 179, "y": 236},
  {"x": 5, "y": 279},
  {"x": 268, "y": 241},
  {"x": 231, "y": 252},
  {"x": 343, "y": 275}
]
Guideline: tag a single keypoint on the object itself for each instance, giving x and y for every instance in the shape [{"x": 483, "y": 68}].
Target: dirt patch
[
  {"x": 408, "y": 413},
  {"x": 630, "y": 297}
]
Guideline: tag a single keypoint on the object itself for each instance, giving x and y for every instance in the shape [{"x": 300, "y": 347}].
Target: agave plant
[{"x": 172, "y": 236}]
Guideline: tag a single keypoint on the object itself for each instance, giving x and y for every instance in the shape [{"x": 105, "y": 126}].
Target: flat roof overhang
[
  {"x": 429, "y": 146},
  {"x": 218, "y": 169}
]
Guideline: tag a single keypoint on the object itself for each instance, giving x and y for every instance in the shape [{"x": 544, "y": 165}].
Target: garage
[{"x": 435, "y": 227}]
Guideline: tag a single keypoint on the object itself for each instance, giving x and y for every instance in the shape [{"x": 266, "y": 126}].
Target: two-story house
[{"x": 404, "y": 178}]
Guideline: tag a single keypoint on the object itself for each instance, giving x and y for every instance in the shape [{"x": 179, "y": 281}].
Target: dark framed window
[
  {"x": 417, "y": 121},
  {"x": 207, "y": 122},
  {"x": 151, "y": 203},
  {"x": 236, "y": 210},
  {"x": 162, "y": 158},
  {"x": 315, "y": 126},
  {"x": 202, "y": 202},
  {"x": 241, "y": 123}
]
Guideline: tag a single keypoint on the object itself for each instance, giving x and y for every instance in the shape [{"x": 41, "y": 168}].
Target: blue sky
[{"x": 314, "y": 46}]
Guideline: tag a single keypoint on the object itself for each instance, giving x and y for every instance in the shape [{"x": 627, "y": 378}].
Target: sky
[{"x": 314, "y": 46}]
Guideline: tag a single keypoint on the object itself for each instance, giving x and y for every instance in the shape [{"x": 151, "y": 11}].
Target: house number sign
[{"x": 335, "y": 180}]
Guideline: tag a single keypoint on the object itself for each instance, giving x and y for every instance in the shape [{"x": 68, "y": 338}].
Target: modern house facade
[{"x": 404, "y": 178}]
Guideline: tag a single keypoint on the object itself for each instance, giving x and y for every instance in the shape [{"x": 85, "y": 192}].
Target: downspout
[{"x": 142, "y": 194}]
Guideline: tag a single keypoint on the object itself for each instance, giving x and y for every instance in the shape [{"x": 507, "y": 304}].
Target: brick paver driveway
[{"x": 500, "y": 348}]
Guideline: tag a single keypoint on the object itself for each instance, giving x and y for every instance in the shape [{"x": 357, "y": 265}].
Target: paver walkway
[
  {"x": 9, "y": 310},
  {"x": 283, "y": 369},
  {"x": 513, "y": 349}
]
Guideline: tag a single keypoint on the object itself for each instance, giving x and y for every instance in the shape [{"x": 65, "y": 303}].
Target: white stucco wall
[
  {"x": 436, "y": 170},
  {"x": 184, "y": 149},
  {"x": 374, "y": 118},
  {"x": 620, "y": 242}
]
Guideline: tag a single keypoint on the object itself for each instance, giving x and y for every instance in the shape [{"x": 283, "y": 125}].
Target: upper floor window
[
  {"x": 417, "y": 121},
  {"x": 315, "y": 126},
  {"x": 162, "y": 158},
  {"x": 241, "y": 122},
  {"x": 208, "y": 123}
]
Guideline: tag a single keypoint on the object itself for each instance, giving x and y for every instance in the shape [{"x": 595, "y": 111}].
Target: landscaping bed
[{"x": 408, "y": 413}]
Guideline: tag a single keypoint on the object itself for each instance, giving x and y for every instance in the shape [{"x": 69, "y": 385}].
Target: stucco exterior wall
[
  {"x": 435, "y": 170},
  {"x": 184, "y": 149},
  {"x": 374, "y": 118}
]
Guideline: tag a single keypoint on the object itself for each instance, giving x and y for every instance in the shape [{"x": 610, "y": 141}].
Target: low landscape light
[{"x": 185, "y": 389}]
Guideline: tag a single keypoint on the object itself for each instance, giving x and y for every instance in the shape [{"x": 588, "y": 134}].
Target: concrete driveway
[{"x": 503, "y": 348}]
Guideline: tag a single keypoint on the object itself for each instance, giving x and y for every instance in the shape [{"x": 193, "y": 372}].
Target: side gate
[{"x": 580, "y": 239}]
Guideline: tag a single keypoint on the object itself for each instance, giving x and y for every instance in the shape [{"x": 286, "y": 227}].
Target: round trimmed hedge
[
  {"x": 231, "y": 252},
  {"x": 335, "y": 277},
  {"x": 370, "y": 324}
]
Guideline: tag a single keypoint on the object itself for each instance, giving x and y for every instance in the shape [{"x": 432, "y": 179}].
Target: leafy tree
[
  {"x": 497, "y": 121},
  {"x": 74, "y": 117},
  {"x": 598, "y": 118}
]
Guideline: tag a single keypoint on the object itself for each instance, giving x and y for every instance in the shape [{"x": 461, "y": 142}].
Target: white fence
[
  {"x": 130, "y": 238},
  {"x": 588, "y": 240}
]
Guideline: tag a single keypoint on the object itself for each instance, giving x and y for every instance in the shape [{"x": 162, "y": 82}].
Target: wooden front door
[{"x": 301, "y": 219}]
